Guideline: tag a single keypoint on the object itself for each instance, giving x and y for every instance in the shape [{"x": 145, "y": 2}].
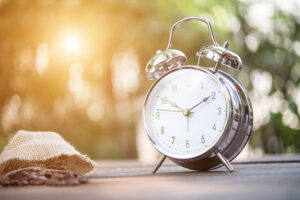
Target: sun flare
[{"x": 71, "y": 43}]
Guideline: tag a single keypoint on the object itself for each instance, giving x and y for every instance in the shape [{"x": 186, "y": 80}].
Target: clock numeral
[
  {"x": 219, "y": 111},
  {"x": 157, "y": 115},
  {"x": 187, "y": 83},
  {"x": 174, "y": 88},
  {"x": 214, "y": 127},
  {"x": 214, "y": 95},
  {"x": 203, "y": 139},
  {"x": 162, "y": 130},
  {"x": 173, "y": 139},
  {"x": 187, "y": 144},
  {"x": 164, "y": 100}
]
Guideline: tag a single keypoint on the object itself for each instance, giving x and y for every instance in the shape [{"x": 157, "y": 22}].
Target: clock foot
[
  {"x": 159, "y": 163},
  {"x": 225, "y": 161}
]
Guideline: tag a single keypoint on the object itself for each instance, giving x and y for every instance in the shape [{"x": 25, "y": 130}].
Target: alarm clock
[{"x": 200, "y": 118}]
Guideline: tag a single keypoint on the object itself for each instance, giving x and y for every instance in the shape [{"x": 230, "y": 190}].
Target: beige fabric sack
[{"x": 42, "y": 150}]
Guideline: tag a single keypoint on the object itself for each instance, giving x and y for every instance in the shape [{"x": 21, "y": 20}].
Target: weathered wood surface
[{"x": 272, "y": 177}]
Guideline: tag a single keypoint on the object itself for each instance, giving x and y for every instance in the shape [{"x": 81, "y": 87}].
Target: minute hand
[{"x": 203, "y": 100}]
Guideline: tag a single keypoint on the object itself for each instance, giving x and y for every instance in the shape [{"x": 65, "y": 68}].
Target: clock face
[{"x": 186, "y": 112}]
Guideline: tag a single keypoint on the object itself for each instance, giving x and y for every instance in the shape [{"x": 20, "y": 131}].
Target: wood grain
[{"x": 270, "y": 177}]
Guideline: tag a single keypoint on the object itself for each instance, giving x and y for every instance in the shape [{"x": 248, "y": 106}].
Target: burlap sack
[{"x": 42, "y": 150}]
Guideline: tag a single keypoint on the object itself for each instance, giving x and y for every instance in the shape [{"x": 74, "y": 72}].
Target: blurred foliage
[{"x": 77, "y": 67}]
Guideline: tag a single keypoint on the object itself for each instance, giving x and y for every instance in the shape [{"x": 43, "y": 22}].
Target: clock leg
[
  {"x": 159, "y": 163},
  {"x": 225, "y": 161}
]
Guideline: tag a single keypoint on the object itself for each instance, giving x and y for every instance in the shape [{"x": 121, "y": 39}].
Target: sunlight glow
[{"x": 71, "y": 43}]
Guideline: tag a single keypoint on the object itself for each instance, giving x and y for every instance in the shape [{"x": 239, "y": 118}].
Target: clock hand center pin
[{"x": 185, "y": 112}]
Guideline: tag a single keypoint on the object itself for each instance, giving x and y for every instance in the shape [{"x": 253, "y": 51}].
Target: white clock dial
[{"x": 186, "y": 112}]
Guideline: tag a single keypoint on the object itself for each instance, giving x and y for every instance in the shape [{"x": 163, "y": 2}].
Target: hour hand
[{"x": 173, "y": 104}]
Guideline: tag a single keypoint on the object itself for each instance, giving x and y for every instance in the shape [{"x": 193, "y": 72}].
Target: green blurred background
[{"x": 77, "y": 67}]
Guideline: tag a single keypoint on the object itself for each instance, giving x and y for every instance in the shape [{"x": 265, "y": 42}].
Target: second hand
[{"x": 188, "y": 126}]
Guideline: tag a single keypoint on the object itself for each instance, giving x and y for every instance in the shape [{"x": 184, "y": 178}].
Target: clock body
[{"x": 191, "y": 113}]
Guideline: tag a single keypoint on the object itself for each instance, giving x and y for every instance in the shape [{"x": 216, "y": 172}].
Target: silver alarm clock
[{"x": 199, "y": 118}]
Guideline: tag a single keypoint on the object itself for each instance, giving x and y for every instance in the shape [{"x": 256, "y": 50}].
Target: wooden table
[{"x": 270, "y": 177}]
